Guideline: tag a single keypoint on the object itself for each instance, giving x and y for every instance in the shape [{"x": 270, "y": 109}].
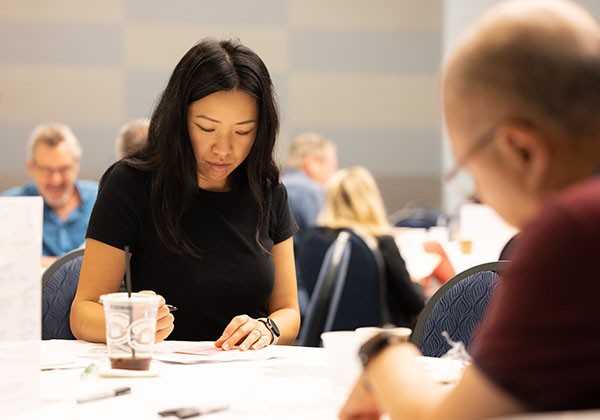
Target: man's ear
[
  {"x": 310, "y": 164},
  {"x": 29, "y": 165},
  {"x": 526, "y": 153}
]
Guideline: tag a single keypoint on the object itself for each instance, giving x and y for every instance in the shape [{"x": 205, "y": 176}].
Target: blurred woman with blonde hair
[{"x": 353, "y": 202}]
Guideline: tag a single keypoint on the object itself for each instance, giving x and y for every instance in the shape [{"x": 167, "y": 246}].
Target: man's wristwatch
[
  {"x": 375, "y": 345},
  {"x": 273, "y": 329}
]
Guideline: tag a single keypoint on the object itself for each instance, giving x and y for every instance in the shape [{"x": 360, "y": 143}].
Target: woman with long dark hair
[{"x": 202, "y": 209}]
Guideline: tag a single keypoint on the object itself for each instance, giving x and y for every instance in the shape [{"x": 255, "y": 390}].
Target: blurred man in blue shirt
[
  {"x": 53, "y": 156},
  {"x": 312, "y": 159}
]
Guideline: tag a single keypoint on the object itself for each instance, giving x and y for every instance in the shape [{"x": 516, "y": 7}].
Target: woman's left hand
[{"x": 248, "y": 332}]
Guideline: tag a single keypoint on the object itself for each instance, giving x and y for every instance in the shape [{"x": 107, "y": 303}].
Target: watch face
[
  {"x": 374, "y": 346},
  {"x": 273, "y": 327}
]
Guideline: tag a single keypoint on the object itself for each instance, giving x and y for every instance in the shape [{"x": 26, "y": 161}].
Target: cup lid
[{"x": 122, "y": 297}]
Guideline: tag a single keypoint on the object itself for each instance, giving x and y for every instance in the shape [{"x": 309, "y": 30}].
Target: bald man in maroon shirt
[{"x": 521, "y": 96}]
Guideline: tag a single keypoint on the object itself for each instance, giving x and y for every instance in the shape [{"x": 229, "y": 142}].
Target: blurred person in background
[
  {"x": 521, "y": 94},
  {"x": 53, "y": 157},
  {"x": 353, "y": 201},
  {"x": 312, "y": 159},
  {"x": 132, "y": 136}
]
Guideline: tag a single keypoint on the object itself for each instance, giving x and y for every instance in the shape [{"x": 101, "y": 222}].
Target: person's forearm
[
  {"x": 401, "y": 385},
  {"x": 288, "y": 321},
  {"x": 87, "y": 321}
]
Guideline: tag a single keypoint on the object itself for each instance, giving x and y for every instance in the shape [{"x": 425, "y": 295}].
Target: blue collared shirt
[
  {"x": 305, "y": 197},
  {"x": 62, "y": 236}
]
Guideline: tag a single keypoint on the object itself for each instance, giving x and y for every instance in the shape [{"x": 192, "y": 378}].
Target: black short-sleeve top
[{"x": 232, "y": 275}]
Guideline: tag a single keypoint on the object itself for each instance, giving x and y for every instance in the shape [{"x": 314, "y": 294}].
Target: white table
[{"x": 294, "y": 384}]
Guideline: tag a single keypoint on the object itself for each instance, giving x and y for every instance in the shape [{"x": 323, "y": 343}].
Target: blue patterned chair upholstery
[
  {"x": 457, "y": 308},
  {"x": 59, "y": 284}
]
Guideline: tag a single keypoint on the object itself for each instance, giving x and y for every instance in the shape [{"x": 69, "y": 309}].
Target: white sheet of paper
[
  {"x": 206, "y": 352},
  {"x": 488, "y": 231},
  {"x": 20, "y": 301}
]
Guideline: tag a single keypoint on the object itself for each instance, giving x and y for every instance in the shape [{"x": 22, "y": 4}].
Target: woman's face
[{"x": 222, "y": 128}]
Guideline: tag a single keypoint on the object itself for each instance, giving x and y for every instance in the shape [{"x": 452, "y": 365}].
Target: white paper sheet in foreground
[{"x": 20, "y": 302}]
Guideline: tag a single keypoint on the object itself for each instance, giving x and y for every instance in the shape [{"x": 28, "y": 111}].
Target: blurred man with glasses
[{"x": 53, "y": 156}]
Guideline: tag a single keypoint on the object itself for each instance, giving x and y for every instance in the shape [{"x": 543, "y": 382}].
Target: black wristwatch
[
  {"x": 273, "y": 328},
  {"x": 372, "y": 347}
]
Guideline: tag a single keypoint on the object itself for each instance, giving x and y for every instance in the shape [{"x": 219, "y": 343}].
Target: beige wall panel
[
  {"x": 358, "y": 100},
  {"x": 160, "y": 47},
  {"x": 74, "y": 95},
  {"x": 78, "y": 11},
  {"x": 380, "y": 15}
]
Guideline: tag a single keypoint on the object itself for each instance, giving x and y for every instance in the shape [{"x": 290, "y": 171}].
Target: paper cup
[
  {"x": 342, "y": 355},
  {"x": 367, "y": 332}
]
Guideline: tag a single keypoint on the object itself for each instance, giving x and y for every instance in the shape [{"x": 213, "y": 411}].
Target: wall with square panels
[{"x": 362, "y": 73}]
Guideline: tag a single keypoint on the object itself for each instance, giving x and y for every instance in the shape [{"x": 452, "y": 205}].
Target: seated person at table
[
  {"x": 353, "y": 201},
  {"x": 132, "y": 136},
  {"x": 202, "y": 210},
  {"x": 312, "y": 159},
  {"x": 521, "y": 94},
  {"x": 53, "y": 156}
]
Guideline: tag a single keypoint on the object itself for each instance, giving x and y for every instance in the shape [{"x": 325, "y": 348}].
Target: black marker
[{"x": 106, "y": 394}]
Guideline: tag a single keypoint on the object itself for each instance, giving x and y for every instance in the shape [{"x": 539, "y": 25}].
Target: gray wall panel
[
  {"x": 143, "y": 91},
  {"x": 239, "y": 12},
  {"x": 61, "y": 44},
  {"x": 347, "y": 51}
]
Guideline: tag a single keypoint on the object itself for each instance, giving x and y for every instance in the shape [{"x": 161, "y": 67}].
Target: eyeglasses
[
  {"x": 47, "y": 171},
  {"x": 480, "y": 143}
]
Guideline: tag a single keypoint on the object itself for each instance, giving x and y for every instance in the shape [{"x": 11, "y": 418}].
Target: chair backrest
[
  {"x": 332, "y": 272},
  {"x": 417, "y": 215},
  {"x": 457, "y": 308},
  {"x": 59, "y": 284},
  {"x": 358, "y": 298},
  {"x": 505, "y": 253}
]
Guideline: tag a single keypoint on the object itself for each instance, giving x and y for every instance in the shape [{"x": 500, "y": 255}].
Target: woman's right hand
[
  {"x": 164, "y": 319},
  {"x": 164, "y": 323}
]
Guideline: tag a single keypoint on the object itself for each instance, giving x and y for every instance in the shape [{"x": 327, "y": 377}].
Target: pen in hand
[
  {"x": 171, "y": 307},
  {"x": 105, "y": 394}
]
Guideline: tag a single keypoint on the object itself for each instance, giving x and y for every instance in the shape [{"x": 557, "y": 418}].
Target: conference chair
[
  {"x": 505, "y": 253},
  {"x": 457, "y": 308},
  {"x": 59, "y": 284},
  {"x": 345, "y": 280}
]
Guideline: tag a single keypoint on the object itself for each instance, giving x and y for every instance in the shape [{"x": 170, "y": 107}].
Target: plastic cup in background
[
  {"x": 466, "y": 245},
  {"x": 365, "y": 333},
  {"x": 342, "y": 355},
  {"x": 130, "y": 329}
]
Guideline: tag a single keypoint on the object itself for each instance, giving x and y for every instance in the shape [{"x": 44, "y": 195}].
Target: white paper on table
[
  {"x": 419, "y": 263},
  {"x": 20, "y": 301},
  {"x": 443, "y": 371},
  {"x": 206, "y": 352},
  {"x": 487, "y": 230}
]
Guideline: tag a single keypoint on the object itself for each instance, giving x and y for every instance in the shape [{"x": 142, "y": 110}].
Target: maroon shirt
[{"x": 541, "y": 339}]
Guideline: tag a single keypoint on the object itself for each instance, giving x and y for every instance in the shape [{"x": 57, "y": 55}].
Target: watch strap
[{"x": 375, "y": 345}]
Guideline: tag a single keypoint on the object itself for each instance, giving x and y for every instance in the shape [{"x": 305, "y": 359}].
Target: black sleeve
[
  {"x": 282, "y": 224},
  {"x": 117, "y": 215},
  {"x": 405, "y": 297}
]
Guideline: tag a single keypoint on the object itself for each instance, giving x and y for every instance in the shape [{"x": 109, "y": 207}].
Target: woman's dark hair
[{"x": 208, "y": 67}]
